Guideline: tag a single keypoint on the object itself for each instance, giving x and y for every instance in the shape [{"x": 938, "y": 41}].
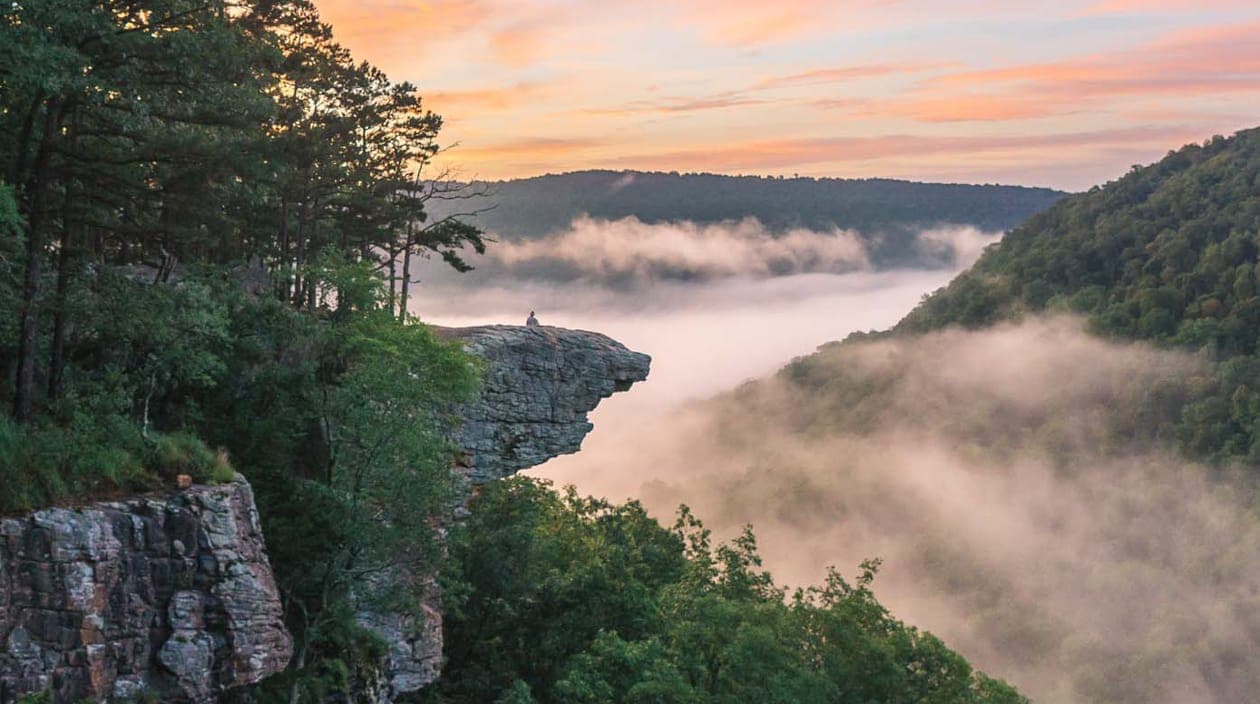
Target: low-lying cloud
[
  {"x": 1014, "y": 481},
  {"x": 614, "y": 250},
  {"x": 629, "y": 253}
]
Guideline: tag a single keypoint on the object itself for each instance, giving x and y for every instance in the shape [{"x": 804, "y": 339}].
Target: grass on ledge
[{"x": 46, "y": 465}]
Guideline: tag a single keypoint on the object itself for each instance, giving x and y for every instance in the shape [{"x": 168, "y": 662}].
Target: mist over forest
[
  {"x": 1010, "y": 481},
  {"x": 1053, "y": 454},
  {"x": 886, "y": 216},
  {"x": 1018, "y": 462}
]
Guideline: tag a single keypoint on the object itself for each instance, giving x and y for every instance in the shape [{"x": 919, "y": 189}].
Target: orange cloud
[
  {"x": 750, "y": 23},
  {"x": 787, "y": 153},
  {"x": 486, "y": 99},
  {"x": 745, "y": 97},
  {"x": 1184, "y": 64},
  {"x": 525, "y": 41},
  {"x": 1121, "y": 7},
  {"x": 842, "y": 74},
  {"x": 529, "y": 147},
  {"x": 680, "y": 105},
  {"x": 394, "y": 33}
]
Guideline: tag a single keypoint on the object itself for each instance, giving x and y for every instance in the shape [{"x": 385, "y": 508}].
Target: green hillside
[{"x": 1166, "y": 254}]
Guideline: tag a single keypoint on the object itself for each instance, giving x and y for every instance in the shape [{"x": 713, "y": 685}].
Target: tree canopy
[{"x": 559, "y": 598}]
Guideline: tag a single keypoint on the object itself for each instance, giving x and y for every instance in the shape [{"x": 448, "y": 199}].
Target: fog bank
[{"x": 706, "y": 334}]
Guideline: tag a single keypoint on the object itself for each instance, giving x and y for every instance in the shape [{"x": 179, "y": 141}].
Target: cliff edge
[{"x": 538, "y": 385}]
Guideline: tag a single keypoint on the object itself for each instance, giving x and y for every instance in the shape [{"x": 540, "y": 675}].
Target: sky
[{"x": 1067, "y": 94}]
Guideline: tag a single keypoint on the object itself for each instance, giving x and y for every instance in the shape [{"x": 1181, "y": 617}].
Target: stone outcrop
[
  {"x": 164, "y": 596},
  {"x": 538, "y": 385}
]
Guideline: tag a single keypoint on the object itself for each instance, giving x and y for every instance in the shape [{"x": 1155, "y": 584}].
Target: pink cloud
[
  {"x": 753, "y": 156},
  {"x": 1189, "y": 63},
  {"x": 487, "y": 99}
]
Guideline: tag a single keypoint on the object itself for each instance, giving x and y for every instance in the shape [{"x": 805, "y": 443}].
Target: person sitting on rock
[{"x": 531, "y": 321}]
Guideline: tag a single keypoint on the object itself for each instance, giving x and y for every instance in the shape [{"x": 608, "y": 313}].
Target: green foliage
[
  {"x": 1169, "y": 254},
  {"x": 559, "y": 598},
  {"x": 201, "y": 209},
  {"x": 48, "y": 463}
]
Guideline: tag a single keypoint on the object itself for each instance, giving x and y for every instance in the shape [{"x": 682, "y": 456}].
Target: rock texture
[
  {"x": 163, "y": 596},
  {"x": 538, "y": 385}
]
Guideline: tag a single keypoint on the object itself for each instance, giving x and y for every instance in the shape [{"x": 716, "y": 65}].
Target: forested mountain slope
[
  {"x": 1166, "y": 254},
  {"x": 535, "y": 207}
]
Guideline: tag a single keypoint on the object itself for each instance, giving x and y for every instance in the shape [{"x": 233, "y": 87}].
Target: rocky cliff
[
  {"x": 172, "y": 597},
  {"x": 164, "y": 596},
  {"x": 538, "y": 385}
]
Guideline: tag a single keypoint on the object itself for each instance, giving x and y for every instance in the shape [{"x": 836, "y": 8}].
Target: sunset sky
[{"x": 1066, "y": 94}]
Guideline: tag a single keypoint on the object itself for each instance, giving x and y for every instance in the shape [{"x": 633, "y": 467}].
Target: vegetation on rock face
[
  {"x": 558, "y": 598},
  {"x": 203, "y": 210},
  {"x": 1169, "y": 254}
]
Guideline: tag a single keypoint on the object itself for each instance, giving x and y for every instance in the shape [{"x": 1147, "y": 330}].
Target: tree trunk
[
  {"x": 71, "y": 229},
  {"x": 406, "y": 281},
  {"x": 17, "y": 170},
  {"x": 28, "y": 329},
  {"x": 393, "y": 279},
  {"x": 65, "y": 266},
  {"x": 300, "y": 258},
  {"x": 284, "y": 280}
]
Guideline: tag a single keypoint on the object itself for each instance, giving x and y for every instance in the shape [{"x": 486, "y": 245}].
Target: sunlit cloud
[
  {"x": 757, "y": 93},
  {"x": 530, "y": 147},
  {"x": 488, "y": 99},
  {"x": 818, "y": 86},
  {"x": 842, "y": 74},
  {"x": 1181, "y": 65},
  {"x": 751, "y": 23},
  {"x": 776, "y": 154},
  {"x": 1123, "y": 7}
]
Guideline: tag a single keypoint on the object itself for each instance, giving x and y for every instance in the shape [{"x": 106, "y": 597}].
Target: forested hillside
[
  {"x": 1167, "y": 254},
  {"x": 895, "y": 210}
]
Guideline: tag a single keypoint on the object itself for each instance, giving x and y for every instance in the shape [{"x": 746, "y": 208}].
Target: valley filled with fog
[
  {"x": 714, "y": 305},
  {"x": 982, "y": 467}
]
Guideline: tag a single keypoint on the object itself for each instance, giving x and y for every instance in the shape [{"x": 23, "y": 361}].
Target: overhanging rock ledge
[{"x": 539, "y": 385}]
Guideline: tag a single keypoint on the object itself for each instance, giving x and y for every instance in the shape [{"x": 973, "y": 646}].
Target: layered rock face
[
  {"x": 538, "y": 386},
  {"x": 170, "y": 597}
]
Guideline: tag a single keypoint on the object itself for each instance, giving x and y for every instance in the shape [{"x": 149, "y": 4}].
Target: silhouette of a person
[{"x": 531, "y": 321}]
